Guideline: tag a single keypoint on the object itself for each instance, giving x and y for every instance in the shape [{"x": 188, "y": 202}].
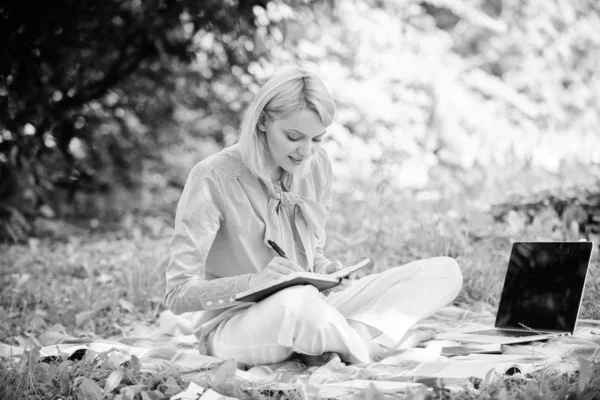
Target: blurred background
[
  {"x": 436, "y": 99},
  {"x": 462, "y": 125}
]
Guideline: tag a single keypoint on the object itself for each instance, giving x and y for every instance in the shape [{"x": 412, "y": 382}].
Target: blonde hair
[{"x": 289, "y": 90}]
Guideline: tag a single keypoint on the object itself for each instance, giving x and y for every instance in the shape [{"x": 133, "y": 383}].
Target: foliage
[
  {"x": 100, "y": 376},
  {"x": 89, "y": 91},
  {"x": 97, "y": 97},
  {"x": 451, "y": 95},
  {"x": 84, "y": 376}
]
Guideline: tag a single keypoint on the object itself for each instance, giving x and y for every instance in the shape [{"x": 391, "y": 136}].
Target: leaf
[
  {"x": 193, "y": 391},
  {"x": 157, "y": 394},
  {"x": 90, "y": 389},
  {"x": 421, "y": 393},
  {"x": 52, "y": 337},
  {"x": 585, "y": 373},
  {"x": 126, "y": 305},
  {"x": 503, "y": 394},
  {"x": 225, "y": 381},
  {"x": 65, "y": 380},
  {"x": 82, "y": 317},
  {"x": 131, "y": 390},
  {"x": 32, "y": 358},
  {"x": 145, "y": 396},
  {"x": 36, "y": 323},
  {"x": 113, "y": 380},
  {"x": 41, "y": 374},
  {"x": 134, "y": 364},
  {"x": 170, "y": 387}
]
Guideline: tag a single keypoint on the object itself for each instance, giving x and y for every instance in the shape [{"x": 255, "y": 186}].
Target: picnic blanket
[{"x": 159, "y": 353}]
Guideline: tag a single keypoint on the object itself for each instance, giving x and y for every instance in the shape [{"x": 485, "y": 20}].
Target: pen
[{"x": 278, "y": 249}]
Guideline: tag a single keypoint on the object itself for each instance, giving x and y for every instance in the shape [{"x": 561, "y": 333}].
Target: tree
[{"x": 86, "y": 86}]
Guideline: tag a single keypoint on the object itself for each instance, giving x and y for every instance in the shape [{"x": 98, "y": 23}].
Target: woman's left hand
[{"x": 335, "y": 266}]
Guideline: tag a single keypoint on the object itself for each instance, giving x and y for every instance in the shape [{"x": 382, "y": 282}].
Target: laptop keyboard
[{"x": 504, "y": 333}]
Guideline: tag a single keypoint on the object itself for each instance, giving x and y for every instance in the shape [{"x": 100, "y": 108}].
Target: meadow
[
  {"x": 100, "y": 278},
  {"x": 446, "y": 109}
]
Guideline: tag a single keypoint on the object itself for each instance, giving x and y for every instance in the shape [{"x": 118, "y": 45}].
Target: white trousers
[{"x": 302, "y": 320}]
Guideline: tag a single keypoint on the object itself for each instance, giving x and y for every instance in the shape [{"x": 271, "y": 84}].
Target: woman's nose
[{"x": 305, "y": 149}]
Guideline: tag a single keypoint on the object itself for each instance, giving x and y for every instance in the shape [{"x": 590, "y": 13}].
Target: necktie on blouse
[{"x": 304, "y": 212}]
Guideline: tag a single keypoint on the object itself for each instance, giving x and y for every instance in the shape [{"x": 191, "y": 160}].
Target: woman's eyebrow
[{"x": 302, "y": 133}]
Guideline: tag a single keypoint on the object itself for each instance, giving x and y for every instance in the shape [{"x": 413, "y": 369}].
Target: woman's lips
[{"x": 296, "y": 161}]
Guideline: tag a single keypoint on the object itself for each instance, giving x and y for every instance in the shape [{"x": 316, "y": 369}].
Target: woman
[{"x": 275, "y": 184}]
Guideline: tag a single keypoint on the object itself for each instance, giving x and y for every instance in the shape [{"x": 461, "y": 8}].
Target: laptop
[{"x": 541, "y": 296}]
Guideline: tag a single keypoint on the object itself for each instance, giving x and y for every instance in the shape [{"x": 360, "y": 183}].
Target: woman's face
[{"x": 293, "y": 140}]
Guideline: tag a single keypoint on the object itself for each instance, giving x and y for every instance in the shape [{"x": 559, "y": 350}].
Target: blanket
[{"x": 157, "y": 352}]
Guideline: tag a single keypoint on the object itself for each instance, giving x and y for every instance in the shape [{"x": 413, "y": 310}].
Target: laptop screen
[{"x": 544, "y": 285}]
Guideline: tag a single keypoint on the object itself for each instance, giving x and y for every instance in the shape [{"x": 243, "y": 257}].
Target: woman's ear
[{"x": 261, "y": 122}]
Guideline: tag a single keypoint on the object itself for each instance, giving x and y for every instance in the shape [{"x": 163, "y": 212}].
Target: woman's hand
[
  {"x": 332, "y": 267},
  {"x": 335, "y": 266},
  {"x": 277, "y": 268}
]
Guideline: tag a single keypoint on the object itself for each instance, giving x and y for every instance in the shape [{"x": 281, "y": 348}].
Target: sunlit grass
[
  {"x": 97, "y": 284},
  {"x": 101, "y": 284}
]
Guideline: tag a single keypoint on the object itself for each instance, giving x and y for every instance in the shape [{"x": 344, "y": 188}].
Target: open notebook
[{"x": 320, "y": 281}]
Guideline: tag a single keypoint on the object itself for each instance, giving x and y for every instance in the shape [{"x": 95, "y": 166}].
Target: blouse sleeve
[
  {"x": 199, "y": 216},
  {"x": 325, "y": 196}
]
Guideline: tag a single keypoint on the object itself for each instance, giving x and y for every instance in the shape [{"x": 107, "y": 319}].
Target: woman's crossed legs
[{"x": 378, "y": 308}]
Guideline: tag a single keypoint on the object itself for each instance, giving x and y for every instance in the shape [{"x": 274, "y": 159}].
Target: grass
[{"x": 100, "y": 283}]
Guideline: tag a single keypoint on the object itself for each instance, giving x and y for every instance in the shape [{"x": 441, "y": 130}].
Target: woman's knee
[
  {"x": 299, "y": 300},
  {"x": 305, "y": 319},
  {"x": 273, "y": 327},
  {"x": 302, "y": 306}
]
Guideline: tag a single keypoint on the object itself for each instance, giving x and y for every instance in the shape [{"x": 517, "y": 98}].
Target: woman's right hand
[{"x": 276, "y": 268}]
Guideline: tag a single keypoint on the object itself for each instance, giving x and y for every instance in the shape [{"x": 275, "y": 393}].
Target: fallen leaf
[
  {"x": 134, "y": 364},
  {"x": 89, "y": 389},
  {"x": 585, "y": 372},
  {"x": 131, "y": 390},
  {"x": 213, "y": 395},
  {"x": 36, "y": 322},
  {"x": 64, "y": 377},
  {"x": 113, "y": 380},
  {"x": 170, "y": 387},
  {"x": 82, "y": 317},
  {"x": 145, "y": 396},
  {"x": 32, "y": 358},
  {"x": 126, "y": 305},
  {"x": 42, "y": 374},
  {"x": 225, "y": 381},
  {"x": 52, "y": 337},
  {"x": 193, "y": 392}
]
